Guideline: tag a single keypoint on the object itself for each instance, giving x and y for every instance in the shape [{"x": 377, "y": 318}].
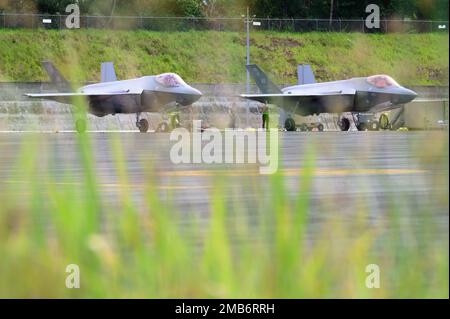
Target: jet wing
[
  {"x": 308, "y": 103},
  {"x": 68, "y": 97}
]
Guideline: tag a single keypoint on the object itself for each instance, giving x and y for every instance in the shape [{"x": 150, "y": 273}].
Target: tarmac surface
[{"x": 353, "y": 172}]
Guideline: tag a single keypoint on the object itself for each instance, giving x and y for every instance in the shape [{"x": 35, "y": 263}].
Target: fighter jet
[
  {"x": 371, "y": 94},
  {"x": 145, "y": 94}
]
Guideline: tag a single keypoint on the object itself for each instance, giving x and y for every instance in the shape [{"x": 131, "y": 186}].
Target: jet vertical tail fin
[
  {"x": 262, "y": 81},
  {"x": 305, "y": 74},
  {"x": 108, "y": 72},
  {"x": 55, "y": 76}
]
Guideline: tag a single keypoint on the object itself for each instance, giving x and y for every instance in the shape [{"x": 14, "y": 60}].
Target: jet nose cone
[
  {"x": 189, "y": 96},
  {"x": 409, "y": 95},
  {"x": 195, "y": 95},
  {"x": 197, "y": 92},
  {"x": 402, "y": 95}
]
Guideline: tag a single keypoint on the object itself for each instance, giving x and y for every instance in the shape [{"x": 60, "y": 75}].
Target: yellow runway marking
[{"x": 234, "y": 173}]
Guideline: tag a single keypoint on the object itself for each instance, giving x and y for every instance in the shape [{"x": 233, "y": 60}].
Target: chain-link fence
[{"x": 37, "y": 21}]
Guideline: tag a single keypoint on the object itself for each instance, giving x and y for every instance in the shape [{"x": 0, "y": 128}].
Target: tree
[
  {"x": 18, "y": 6},
  {"x": 221, "y": 8},
  {"x": 322, "y": 9}
]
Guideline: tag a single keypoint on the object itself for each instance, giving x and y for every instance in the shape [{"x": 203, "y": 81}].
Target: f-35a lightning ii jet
[
  {"x": 145, "y": 94},
  {"x": 372, "y": 94}
]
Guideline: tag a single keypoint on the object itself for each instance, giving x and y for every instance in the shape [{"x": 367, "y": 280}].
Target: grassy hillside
[{"x": 414, "y": 59}]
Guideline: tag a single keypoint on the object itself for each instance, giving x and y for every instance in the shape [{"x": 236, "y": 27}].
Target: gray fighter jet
[
  {"x": 156, "y": 93},
  {"x": 371, "y": 94}
]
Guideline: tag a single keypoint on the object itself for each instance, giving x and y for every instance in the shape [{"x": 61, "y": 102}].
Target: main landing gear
[
  {"x": 364, "y": 122},
  {"x": 290, "y": 125},
  {"x": 343, "y": 123},
  {"x": 142, "y": 124},
  {"x": 163, "y": 127}
]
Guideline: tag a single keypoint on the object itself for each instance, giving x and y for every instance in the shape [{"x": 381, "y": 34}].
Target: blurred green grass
[
  {"x": 218, "y": 57},
  {"x": 147, "y": 251}
]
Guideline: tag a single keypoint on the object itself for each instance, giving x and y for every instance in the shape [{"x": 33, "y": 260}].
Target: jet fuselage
[
  {"x": 153, "y": 97},
  {"x": 366, "y": 97}
]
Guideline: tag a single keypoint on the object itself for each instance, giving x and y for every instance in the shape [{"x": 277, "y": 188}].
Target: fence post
[{"x": 317, "y": 25}]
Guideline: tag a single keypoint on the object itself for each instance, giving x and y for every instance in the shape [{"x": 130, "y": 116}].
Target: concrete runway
[{"x": 354, "y": 172}]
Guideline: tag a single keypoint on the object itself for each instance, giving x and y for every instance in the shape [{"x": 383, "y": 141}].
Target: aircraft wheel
[
  {"x": 80, "y": 126},
  {"x": 163, "y": 127},
  {"x": 143, "y": 125},
  {"x": 320, "y": 127},
  {"x": 384, "y": 122},
  {"x": 344, "y": 124},
  {"x": 289, "y": 124}
]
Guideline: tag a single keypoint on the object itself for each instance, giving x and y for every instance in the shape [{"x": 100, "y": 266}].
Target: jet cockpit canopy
[
  {"x": 170, "y": 80},
  {"x": 382, "y": 81}
]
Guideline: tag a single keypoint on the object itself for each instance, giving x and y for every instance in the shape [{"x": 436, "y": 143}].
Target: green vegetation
[
  {"x": 154, "y": 251},
  {"x": 219, "y": 57}
]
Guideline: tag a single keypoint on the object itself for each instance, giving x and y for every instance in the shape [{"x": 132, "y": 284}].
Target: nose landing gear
[{"x": 142, "y": 124}]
